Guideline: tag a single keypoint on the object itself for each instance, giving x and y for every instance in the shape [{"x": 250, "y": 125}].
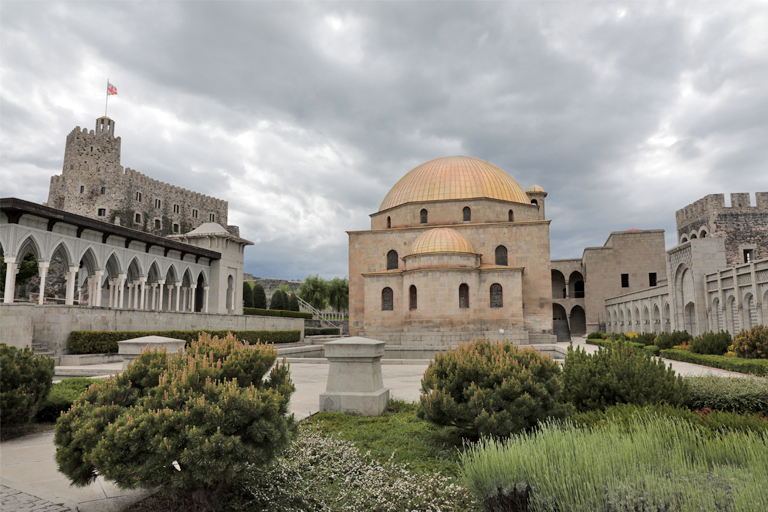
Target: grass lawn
[{"x": 421, "y": 445}]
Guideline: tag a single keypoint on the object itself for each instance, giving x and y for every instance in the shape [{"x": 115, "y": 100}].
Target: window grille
[
  {"x": 211, "y": 217},
  {"x": 497, "y": 299},
  {"x": 102, "y": 212},
  {"x": 464, "y": 296},
  {"x": 412, "y": 302},
  {"x": 387, "y": 299}
]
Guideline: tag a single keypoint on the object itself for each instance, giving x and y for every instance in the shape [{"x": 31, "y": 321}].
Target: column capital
[
  {"x": 206, "y": 288},
  {"x": 161, "y": 281},
  {"x": 153, "y": 285},
  {"x": 43, "y": 264},
  {"x": 142, "y": 279}
]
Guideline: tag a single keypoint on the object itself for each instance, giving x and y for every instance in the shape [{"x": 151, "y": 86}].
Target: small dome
[
  {"x": 534, "y": 188},
  {"x": 634, "y": 229},
  {"x": 441, "y": 240},
  {"x": 454, "y": 177}
]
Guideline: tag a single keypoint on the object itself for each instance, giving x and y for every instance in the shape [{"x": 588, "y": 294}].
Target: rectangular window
[
  {"x": 82, "y": 188},
  {"x": 137, "y": 219},
  {"x": 748, "y": 255},
  {"x": 138, "y": 196},
  {"x": 158, "y": 224},
  {"x": 176, "y": 208},
  {"x": 175, "y": 228},
  {"x": 211, "y": 217},
  {"x": 158, "y": 203},
  {"x": 625, "y": 280},
  {"x": 652, "y": 279},
  {"x": 103, "y": 190},
  {"x": 102, "y": 212},
  {"x": 194, "y": 213}
]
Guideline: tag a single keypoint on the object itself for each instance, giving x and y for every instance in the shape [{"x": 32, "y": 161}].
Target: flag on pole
[{"x": 111, "y": 89}]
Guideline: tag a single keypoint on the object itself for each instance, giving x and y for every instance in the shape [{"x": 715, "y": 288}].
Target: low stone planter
[
  {"x": 355, "y": 384},
  {"x": 86, "y": 359},
  {"x": 131, "y": 349}
]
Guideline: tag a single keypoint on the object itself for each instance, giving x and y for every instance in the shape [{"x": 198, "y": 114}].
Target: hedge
[
  {"x": 609, "y": 343},
  {"x": 741, "y": 395},
  {"x": 733, "y": 364},
  {"x": 277, "y": 312},
  {"x": 99, "y": 342},
  {"x": 317, "y": 331},
  {"x": 62, "y": 395}
]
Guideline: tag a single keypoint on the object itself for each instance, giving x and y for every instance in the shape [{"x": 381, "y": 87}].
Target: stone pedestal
[
  {"x": 355, "y": 384},
  {"x": 131, "y": 349}
]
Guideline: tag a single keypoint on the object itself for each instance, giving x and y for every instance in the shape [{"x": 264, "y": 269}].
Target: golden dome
[
  {"x": 534, "y": 188},
  {"x": 441, "y": 240},
  {"x": 454, "y": 177}
]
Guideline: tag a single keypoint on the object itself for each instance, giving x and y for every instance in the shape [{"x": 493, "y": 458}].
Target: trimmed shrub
[
  {"x": 646, "y": 338},
  {"x": 277, "y": 301},
  {"x": 247, "y": 295},
  {"x": 259, "y": 297},
  {"x": 293, "y": 302},
  {"x": 63, "y": 394},
  {"x": 597, "y": 335},
  {"x": 752, "y": 344},
  {"x": 711, "y": 422},
  {"x": 617, "y": 374},
  {"x": 653, "y": 350},
  {"x": 271, "y": 312},
  {"x": 609, "y": 343},
  {"x": 486, "y": 388},
  {"x": 667, "y": 340},
  {"x": 319, "y": 331},
  {"x": 191, "y": 424},
  {"x": 25, "y": 381},
  {"x": 99, "y": 342},
  {"x": 743, "y": 395},
  {"x": 714, "y": 343},
  {"x": 733, "y": 364}
]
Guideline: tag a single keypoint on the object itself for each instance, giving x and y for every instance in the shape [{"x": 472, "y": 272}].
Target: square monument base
[{"x": 360, "y": 404}]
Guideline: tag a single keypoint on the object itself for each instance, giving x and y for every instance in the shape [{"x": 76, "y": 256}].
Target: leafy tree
[
  {"x": 277, "y": 301},
  {"x": 314, "y": 290},
  {"x": 338, "y": 293},
  {"x": 284, "y": 287},
  {"x": 259, "y": 296},
  {"x": 293, "y": 302},
  {"x": 247, "y": 295}
]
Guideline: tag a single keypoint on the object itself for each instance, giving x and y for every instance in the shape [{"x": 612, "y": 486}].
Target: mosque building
[{"x": 458, "y": 250}]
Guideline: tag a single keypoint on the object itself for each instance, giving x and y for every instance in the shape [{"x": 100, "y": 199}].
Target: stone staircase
[
  {"x": 41, "y": 349},
  {"x": 319, "y": 340}
]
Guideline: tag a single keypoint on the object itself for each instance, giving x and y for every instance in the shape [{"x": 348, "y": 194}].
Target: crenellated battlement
[{"x": 150, "y": 184}]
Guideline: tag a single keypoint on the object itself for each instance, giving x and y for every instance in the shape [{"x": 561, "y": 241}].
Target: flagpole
[{"x": 106, "y": 104}]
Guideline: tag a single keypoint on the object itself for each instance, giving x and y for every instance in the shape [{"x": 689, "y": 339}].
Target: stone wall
[
  {"x": 270, "y": 285},
  {"x": 318, "y": 324},
  {"x": 51, "y": 325}
]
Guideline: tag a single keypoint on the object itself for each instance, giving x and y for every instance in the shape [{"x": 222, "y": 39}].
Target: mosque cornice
[
  {"x": 453, "y": 200},
  {"x": 452, "y": 226}
]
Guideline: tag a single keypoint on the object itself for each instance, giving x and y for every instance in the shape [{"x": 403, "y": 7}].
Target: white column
[
  {"x": 143, "y": 292},
  {"x": 112, "y": 292},
  {"x": 71, "y": 279},
  {"x": 205, "y": 298},
  {"x": 90, "y": 291},
  {"x": 178, "y": 294},
  {"x": 161, "y": 284},
  {"x": 121, "y": 290},
  {"x": 97, "y": 285},
  {"x": 10, "y": 280},
  {"x": 130, "y": 295},
  {"x": 154, "y": 290},
  {"x": 184, "y": 298},
  {"x": 42, "y": 269},
  {"x": 170, "y": 297},
  {"x": 80, "y": 294},
  {"x": 192, "y": 292}
]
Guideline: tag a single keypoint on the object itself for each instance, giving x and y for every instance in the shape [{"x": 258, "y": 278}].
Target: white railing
[{"x": 323, "y": 317}]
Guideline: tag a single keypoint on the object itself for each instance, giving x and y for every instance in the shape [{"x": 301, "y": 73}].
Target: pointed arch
[
  {"x": 113, "y": 266},
  {"x": 134, "y": 269},
  {"x": 204, "y": 276},
  {"x": 154, "y": 274},
  {"x": 88, "y": 261},
  {"x": 172, "y": 274},
  {"x": 187, "y": 279},
  {"x": 30, "y": 244},
  {"x": 61, "y": 249}
]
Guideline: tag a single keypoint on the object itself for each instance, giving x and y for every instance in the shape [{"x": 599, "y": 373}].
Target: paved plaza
[{"x": 31, "y": 482}]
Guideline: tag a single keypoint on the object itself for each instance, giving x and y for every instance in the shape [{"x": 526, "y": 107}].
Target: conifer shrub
[
  {"x": 597, "y": 335},
  {"x": 618, "y": 373},
  {"x": 190, "y": 424},
  {"x": 293, "y": 302},
  {"x": 713, "y": 343},
  {"x": 667, "y": 340},
  {"x": 259, "y": 296},
  {"x": 646, "y": 338},
  {"x": 25, "y": 381},
  {"x": 277, "y": 301},
  {"x": 752, "y": 344},
  {"x": 247, "y": 295},
  {"x": 487, "y": 388},
  {"x": 653, "y": 350}
]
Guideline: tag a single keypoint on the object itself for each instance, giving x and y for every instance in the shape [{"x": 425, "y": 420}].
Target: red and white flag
[{"x": 111, "y": 89}]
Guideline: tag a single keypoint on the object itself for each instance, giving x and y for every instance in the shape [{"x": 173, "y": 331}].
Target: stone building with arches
[{"x": 458, "y": 250}]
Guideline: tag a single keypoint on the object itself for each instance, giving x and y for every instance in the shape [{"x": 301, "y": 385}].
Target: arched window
[
  {"x": 412, "y": 292},
  {"x": 392, "y": 260},
  {"x": 389, "y": 222},
  {"x": 683, "y": 240},
  {"x": 387, "y": 299},
  {"x": 693, "y": 236},
  {"x": 467, "y": 214},
  {"x": 464, "y": 296},
  {"x": 501, "y": 255},
  {"x": 534, "y": 201},
  {"x": 511, "y": 216},
  {"x": 423, "y": 216},
  {"x": 703, "y": 234},
  {"x": 497, "y": 299}
]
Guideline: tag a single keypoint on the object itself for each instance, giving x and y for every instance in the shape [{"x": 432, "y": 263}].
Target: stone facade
[{"x": 94, "y": 184}]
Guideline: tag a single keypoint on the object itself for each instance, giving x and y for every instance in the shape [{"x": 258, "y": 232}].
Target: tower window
[
  {"x": 175, "y": 228},
  {"x": 138, "y": 196},
  {"x": 423, "y": 216},
  {"x": 534, "y": 201},
  {"x": 158, "y": 203},
  {"x": 501, "y": 255},
  {"x": 194, "y": 213},
  {"x": 82, "y": 188},
  {"x": 389, "y": 222},
  {"x": 137, "y": 218},
  {"x": 158, "y": 224},
  {"x": 103, "y": 190},
  {"x": 625, "y": 280},
  {"x": 511, "y": 216},
  {"x": 749, "y": 255},
  {"x": 464, "y": 296},
  {"x": 413, "y": 297},
  {"x": 102, "y": 212},
  {"x": 652, "y": 279},
  {"x": 211, "y": 217},
  {"x": 497, "y": 297},
  {"x": 387, "y": 299},
  {"x": 176, "y": 208},
  {"x": 392, "y": 260},
  {"x": 467, "y": 214}
]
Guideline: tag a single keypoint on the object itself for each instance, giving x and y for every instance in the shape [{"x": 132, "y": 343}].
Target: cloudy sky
[{"x": 304, "y": 114}]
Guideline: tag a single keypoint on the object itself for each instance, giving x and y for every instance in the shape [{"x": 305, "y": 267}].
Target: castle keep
[{"x": 94, "y": 184}]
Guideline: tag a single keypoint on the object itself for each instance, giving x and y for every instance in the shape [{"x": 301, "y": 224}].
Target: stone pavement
[{"x": 28, "y": 470}]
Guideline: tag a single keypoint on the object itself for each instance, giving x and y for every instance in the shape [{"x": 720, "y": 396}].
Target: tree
[
  {"x": 247, "y": 295},
  {"x": 315, "y": 291},
  {"x": 259, "y": 296},
  {"x": 293, "y": 303},
  {"x": 27, "y": 269},
  {"x": 338, "y": 293},
  {"x": 277, "y": 301}
]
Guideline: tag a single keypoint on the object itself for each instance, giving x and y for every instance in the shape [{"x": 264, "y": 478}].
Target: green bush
[
  {"x": 100, "y": 342},
  {"x": 653, "y": 463},
  {"x": 610, "y": 343},
  {"x": 63, "y": 394},
  {"x": 25, "y": 381},
  {"x": 247, "y": 295},
  {"x": 278, "y": 300},
  {"x": 490, "y": 388},
  {"x": 752, "y": 344},
  {"x": 192, "y": 424},
  {"x": 667, "y": 340},
  {"x": 711, "y": 422},
  {"x": 714, "y": 343},
  {"x": 293, "y": 303},
  {"x": 743, "y": 395},
  {"x": 259, "y": 297},
  {"x": 271, "y": 312},
  {"x": 733, "y": 364},
  {"x": 645, "y": 338},
  {"x": 617, "y": 374},
  {"x": 318, "y": 331},
  {"x": 597, "y": 335},
  {"x": 653, "y": 350}
]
